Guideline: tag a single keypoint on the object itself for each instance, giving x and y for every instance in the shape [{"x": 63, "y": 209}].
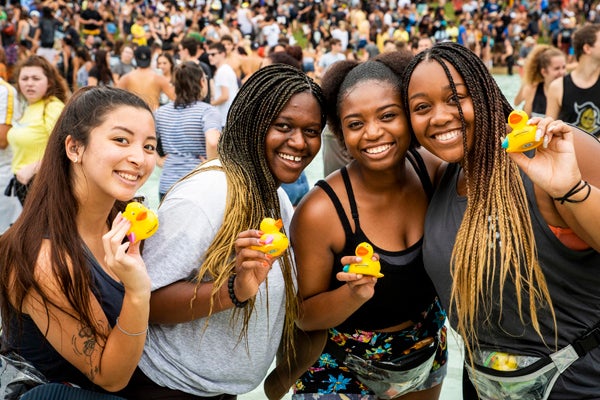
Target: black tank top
[
  {"x": 28, "y": 341},
  {"x": 539, "y": 101},
  {"x": 405, "y": 291},
  {"x": 581, "y": 107}
]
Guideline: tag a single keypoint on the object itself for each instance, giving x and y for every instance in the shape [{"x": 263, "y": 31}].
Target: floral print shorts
[{"x": 330, "y": 379}]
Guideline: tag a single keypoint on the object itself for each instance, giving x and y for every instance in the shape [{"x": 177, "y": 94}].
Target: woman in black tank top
[
  {"x": 380, "y": 197},
  {"x": 543, "y": 65},
  {"x": 497, "y": 242}
]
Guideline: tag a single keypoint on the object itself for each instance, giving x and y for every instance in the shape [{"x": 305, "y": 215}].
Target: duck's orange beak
[
  {"x": 362, "y": 251},
  {"x": 141, "y": 216},
  {"x": 279, "y": 223}
]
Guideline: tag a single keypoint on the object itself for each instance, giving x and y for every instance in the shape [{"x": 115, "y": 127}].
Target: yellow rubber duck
[
  {"x": 144, "y": 222},
  {"x": 502, "y": 361},
  {"x": 367, "y": 266},
  {"x": 522, "y": 137},
  {"x": 275, "y": 241}
]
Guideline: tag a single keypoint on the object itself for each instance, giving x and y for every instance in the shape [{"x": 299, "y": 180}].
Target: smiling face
[
  {"x": 376, "y": 131},
  {"x": 119, "y": 157},
  {"x": 294, "y": 138},
  {"x": 33, "y": 83},
  {"x": 556, "y": 69},
  {"x": 164, "y": 65},
  {"x": 434, "y": 112}
]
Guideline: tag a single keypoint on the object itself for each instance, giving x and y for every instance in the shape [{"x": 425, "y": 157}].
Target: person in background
[
  {"x": 10, "y": 208},
  {"x": 510, "y": 240},
  {"x": 213, "y": 295},
  {"x": 225, "y": 81},
  {"x": 543, "y": 65},
  {"x": 165, "y": 65},
  {"x": 125, "y": 63},
  {"x": 82, "y": 65},
  {"x": 45, "y": 92},
  {"x": 74, "y": 294},
  {"x": 576, "y": 97},
  {"x": 380, "y": 197},
  {"x": 100, "y": 74},
  {"x": 188, "y": 129},
  {"x": 144, "y": 81}
]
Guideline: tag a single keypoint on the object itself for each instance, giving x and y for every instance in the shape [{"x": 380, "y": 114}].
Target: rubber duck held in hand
[
  {"x": 144, "y": 222},
  {"x": 522, "y": 137},
  {"x": 275, "y": 241},
  {"x": 367, "y": 266}
]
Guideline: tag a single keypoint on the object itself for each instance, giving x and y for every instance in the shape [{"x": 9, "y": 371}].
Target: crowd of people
[{"x": 233, "y": 101}]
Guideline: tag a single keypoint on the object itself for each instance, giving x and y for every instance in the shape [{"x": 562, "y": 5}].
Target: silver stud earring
[{"x": 75, "y": 161}]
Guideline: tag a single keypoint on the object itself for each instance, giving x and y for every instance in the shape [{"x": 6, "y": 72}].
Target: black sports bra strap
[
  {"x": 338, "y": 206},
  {"x": 351, "y": 200},
  {"x": 419, "y": 165}
]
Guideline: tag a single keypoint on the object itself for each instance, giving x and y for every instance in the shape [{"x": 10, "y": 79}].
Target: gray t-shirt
[{"x": 195, "y": 357}]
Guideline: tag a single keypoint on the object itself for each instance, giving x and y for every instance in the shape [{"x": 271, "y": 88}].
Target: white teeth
[
  {"x": 378, "y": 149},
  {"x": 447, "y": 136},
  {"x": 128, "y": 176},
  {"x": 290, "y": 157}
]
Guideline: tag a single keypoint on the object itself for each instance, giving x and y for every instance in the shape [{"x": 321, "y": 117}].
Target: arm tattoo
[{"x": 85, "y": 344}]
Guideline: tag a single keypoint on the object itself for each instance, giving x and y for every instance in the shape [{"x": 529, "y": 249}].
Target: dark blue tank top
[
  {"x": 28, "y": 341},
  {"x": 571, "y": 276},
  {"x": 405, "y": 292}
]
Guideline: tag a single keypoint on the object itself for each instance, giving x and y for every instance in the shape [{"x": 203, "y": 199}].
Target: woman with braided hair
[
  {"x": 381, "y": 198},
  {"x": 218, "y": 307},
  {"x": 512, "y": 240}
]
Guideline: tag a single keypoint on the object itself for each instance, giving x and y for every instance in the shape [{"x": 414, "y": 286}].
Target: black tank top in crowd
[
  {"x": 539, "y": 100},
  {"x": 406, "y": 291},
  {"x": 581, "y": 107}
]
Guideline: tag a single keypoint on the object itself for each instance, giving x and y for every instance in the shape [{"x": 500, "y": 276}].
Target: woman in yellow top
[{"x": 45, "y": 92}]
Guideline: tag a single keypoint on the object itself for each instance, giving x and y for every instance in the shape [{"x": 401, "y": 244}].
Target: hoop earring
[{"x": 75, "y": 161}]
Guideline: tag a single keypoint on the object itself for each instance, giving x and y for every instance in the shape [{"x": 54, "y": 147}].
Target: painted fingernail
[
  {"x": 538, "y": 135},
  {"x": 131, "y": 237}
]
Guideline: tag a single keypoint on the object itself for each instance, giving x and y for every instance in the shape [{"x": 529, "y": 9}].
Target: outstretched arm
[{"x": 569, "y": 159}]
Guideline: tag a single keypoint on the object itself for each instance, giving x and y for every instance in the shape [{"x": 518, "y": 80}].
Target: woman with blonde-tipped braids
[
  {"x": 511, "y": 240},
  {"x": 219, "y": 309}
]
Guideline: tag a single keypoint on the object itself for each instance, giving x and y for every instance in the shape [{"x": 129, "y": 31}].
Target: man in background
[
  {"x": 575, "y": 98},
  {"x": 144, "y": 82}
]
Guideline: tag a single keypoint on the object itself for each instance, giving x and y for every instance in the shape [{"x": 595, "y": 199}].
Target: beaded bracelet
[
  {"x": 234, "y": 299},
  {"x": 581, "y": 185},
  {"x": 128, "y": 333}
]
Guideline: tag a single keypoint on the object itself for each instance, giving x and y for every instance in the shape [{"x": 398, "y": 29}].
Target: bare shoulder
[{"x": 316, "y": 214}]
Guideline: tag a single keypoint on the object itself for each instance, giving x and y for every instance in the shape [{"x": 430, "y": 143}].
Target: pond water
[{"x": 509, "y": 84}]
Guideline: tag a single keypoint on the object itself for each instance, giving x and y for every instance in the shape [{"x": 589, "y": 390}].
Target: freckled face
[
  {"x": 294, "y": 138},
  {"x": 376, "y": 131},
  {"x": 434, "y": 112}
]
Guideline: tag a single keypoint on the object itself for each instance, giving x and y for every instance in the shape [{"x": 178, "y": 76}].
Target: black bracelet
[
  {"x": 234, "y": 300},
  {"x": 581, "y": 185}
]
